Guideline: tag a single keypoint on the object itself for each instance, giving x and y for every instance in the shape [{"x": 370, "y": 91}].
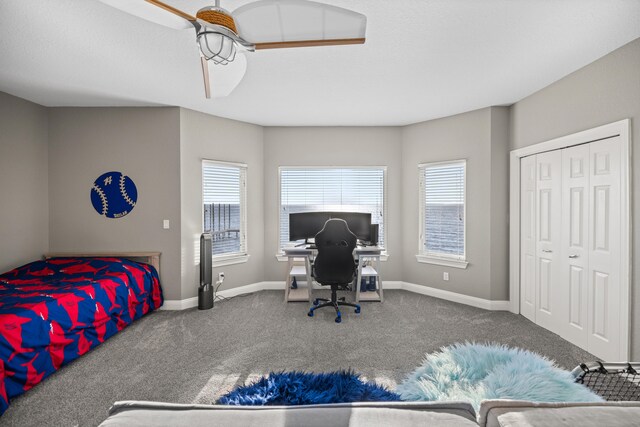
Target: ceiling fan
[{"x": 223, "y": 36}]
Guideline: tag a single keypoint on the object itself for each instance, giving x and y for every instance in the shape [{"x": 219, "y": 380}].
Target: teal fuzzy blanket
[{"x": 474, "y": 372}]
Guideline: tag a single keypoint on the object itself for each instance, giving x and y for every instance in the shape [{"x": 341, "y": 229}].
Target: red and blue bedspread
[{"x": 54, "y": 311}]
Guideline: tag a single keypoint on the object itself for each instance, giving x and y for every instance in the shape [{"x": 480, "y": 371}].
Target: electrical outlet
[
  {"x": 445, "y": 275},
  {"x": 221, "y": 277},
  {"x": 165, "y": 224}
]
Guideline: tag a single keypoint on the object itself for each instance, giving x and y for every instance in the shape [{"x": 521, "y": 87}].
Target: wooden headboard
[{"x": 151, "y": 258}]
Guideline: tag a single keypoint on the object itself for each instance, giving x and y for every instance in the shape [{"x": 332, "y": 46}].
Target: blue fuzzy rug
[
  {"x": 474, "y": 372},
  {"x": 301, "y": 388}
]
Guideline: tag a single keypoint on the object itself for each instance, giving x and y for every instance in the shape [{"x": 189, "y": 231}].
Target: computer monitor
[
  {"x": 359, "y": 223},
  {"x": 305, "y": 225}
]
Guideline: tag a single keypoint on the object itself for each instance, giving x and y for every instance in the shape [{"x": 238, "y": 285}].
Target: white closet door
[
  {"x": 574, "y": 290},
  {"x": 548, "y": 245},
  {"x": 528, "y": 237},
  {"x": 604, "y": 250}
]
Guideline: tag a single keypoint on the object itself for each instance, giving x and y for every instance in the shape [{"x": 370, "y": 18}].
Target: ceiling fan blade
[
  {"x": 173, "y": 10},
  {"x": 225, "y": 78},
  {"x": 154, "y": 11},
  {"x": 273, "y": 24},
  {"x": 205, "y": 77},
  {"x": 308, "y": 43}
]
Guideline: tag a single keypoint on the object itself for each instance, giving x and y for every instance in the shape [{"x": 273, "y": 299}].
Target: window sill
[
  {"x": 283, "y": 258},
  {"x": 447, "y": 262},
  {"x": 230, "y": 260}
]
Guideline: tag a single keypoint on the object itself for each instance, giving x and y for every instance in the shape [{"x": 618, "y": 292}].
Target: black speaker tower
[
  {"x": 375, "y": 229},
  {"x": 205, "y": 290}
]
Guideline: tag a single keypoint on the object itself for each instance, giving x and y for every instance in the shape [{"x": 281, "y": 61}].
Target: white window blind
[
  {"x": 224, "y": 200},
  {"x": 442, "y": 191},
  {"x": 357, "y": 189}
]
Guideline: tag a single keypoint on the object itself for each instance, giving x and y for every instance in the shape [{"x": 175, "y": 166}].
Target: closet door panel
[
  {"x": 528, "y": 237},
  {"x": 574, "y": 291},
  {"x": 604, "y": 249},
  {"x": 548, "y": 240}
]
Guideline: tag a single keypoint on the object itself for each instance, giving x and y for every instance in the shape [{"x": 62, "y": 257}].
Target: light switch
[
  {"x": 165, "y": 224},
  {"x": 445, "y": 275}
]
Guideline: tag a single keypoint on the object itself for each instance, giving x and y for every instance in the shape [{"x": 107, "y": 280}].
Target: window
[
  {"x": 348, "y": 189},
  {"x": 224, "y": 209},
  {"x": 442, "y": 213}
]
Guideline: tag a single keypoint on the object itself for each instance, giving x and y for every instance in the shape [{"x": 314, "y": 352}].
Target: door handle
[
  {"x": 574, "y": 256},
  {"x": 547, "y": 251}
]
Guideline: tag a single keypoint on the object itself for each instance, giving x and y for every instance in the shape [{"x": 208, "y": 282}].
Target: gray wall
[
  {"x": 24, "y": 192},
  {"x": 333, "y": 146},
  {"x": 479, "y": 137},
  {"x": 602, "y": 92},
  {"x": 207, "y": 137},
  {"x": 499, "y": 203},
  {"x": 464, "y": 136},
  {"x": 143, "y": 143}
]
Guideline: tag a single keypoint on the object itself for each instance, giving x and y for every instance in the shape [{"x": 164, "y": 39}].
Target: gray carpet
[{"x": 195, "y": 356}]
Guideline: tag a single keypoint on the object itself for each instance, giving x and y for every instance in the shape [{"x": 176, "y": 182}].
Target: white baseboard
[
  {"x": 227, "y": 293},
  {"x": 179, "y": 304},
  {"x": 392, "y": 284},
  {"x": 411, "y": 287},
  {"x": 254, "y": 287},
  {"x": 456, "y": 297}
]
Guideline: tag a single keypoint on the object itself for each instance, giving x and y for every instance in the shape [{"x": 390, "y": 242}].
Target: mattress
[{"x": 54, "y": 311}]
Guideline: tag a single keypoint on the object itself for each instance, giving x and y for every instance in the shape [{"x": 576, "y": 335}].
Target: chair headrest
[{"x": 336, "y": 233}]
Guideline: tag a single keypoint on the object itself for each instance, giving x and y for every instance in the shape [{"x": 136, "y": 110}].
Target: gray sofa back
[
  {"x": 450, "y": 414},
  {"x": 493, "y": 413},
  {"x": 508, "y": 413}
]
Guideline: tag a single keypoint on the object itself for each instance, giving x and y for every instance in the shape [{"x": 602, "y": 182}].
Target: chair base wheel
[{"x": 335, "y": 303}]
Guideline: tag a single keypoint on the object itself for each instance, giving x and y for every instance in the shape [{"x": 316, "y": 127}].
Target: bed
[{"x": 55, "y": 310}]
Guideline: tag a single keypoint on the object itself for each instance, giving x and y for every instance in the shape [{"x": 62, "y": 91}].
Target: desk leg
[
  {"x": 359, "y": 279},
  {"x": 287, "y": 285},
  {"x": 378, "y": 265},
  {"x": 307, "y": 267}
]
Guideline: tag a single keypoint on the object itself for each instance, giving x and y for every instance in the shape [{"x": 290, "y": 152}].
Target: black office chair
[{"x": 334, "y": 265}]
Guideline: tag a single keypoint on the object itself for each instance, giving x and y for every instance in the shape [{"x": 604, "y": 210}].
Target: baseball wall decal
[{"x": 114, "y": 195}]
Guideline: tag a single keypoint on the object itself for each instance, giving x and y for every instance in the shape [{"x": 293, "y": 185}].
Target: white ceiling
[{"x": 422, "y": 59}]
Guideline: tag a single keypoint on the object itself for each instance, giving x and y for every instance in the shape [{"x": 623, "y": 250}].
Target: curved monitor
[
  {"x": 359, "y": 223},
  {"x": 305, "y": 225}
]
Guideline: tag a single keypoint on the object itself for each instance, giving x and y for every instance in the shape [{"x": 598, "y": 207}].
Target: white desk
[
  {"x": 364, "y": 254},
  {"x": 372, "y": 255},
  {"x": 299, "y": 294}
]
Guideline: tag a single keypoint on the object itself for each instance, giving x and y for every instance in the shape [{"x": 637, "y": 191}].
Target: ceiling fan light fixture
[
  {"x": 216, "y": 37},
  {"x": 217, "y": 47}
]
